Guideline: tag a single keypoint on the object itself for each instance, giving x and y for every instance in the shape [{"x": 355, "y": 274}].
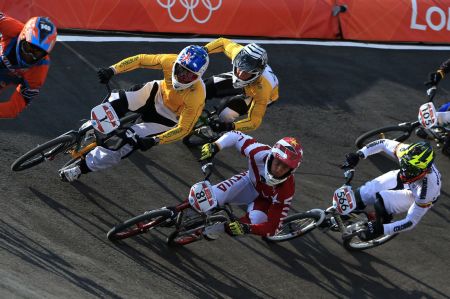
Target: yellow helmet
[{"x": 416, "y": 160}]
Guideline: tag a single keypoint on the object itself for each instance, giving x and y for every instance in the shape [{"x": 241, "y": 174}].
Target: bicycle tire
[
  {"x": 398, "y": 133},
  {"x": 43, "y": 152},
  {"x": 138, "y": 225},
  {"x": 295, "y": 226},
  {"x": 192, "y": 232}
]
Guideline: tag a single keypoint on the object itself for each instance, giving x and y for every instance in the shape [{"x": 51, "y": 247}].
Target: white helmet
[{"x": 251, "y": 59}]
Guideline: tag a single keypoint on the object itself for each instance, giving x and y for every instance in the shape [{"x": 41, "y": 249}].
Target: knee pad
[{"x": 380, "y": 210}]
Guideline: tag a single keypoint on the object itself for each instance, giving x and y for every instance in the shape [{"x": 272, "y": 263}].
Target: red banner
[
  {"x": 396, "y": 20},
  {"x": 281, "y": 18}
]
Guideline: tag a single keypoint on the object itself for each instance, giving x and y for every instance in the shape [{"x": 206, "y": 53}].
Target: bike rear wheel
[
  {"x": 44, "y": 152},
  {"x": 139, "y": 224},
  {"x": 354, "y": 243},
  {"x": 296, "y": 225},
  {"x": 193, "y": 231},
  {"x": 399, "y": 133}
]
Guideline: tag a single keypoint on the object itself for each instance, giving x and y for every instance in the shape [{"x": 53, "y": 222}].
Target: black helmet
[{"x": 253, "y": 60}]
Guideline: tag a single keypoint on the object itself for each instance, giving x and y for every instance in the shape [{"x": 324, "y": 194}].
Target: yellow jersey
[
  {"x": 187, "y": 104},
  {"x": 263, "y": 91}
]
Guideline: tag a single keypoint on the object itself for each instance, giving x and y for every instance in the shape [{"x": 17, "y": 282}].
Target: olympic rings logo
[{"x": 190, "y": 6}]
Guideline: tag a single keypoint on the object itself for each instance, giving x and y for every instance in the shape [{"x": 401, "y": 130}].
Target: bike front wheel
[
  {"x": 44, "y": 152},
  {"x": 398, "y": 133},
  {"x": 297, "y": 225},
  {"x": 193, "y": 231},
  {"x": 139, "y": 224}
]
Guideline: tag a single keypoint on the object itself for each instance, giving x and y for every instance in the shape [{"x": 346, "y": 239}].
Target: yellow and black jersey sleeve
[
  {"x": 149, "y": 61},
  {"x": 260, "y": 92},
  {"x": 228, "y": 47}
]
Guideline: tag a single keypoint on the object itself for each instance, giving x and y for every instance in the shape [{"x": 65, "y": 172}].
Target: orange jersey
[{"x": 27, "y": 79}]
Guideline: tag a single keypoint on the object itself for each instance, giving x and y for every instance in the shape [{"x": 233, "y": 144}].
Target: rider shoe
[{"x": 70, "y": 174}]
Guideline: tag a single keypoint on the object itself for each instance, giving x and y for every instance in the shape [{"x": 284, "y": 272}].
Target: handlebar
[
  {"x": 108, "y": 88},
  {"x": 349, "y": 173},
  {"x": 431, "y": 92},
  {"x": 207, "y": 168}
]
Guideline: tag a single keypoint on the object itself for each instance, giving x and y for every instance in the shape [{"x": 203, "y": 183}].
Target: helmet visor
[
  {"x": 183, "y": 75},
  {"x": 30, "y": 53},
  {"x": 409, "y": 171}
]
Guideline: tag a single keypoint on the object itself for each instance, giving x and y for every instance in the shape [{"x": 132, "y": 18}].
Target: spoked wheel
[
  {"x": 399, "y": 133},
  {"x": 297, "y": 225},
  {"x": 193, "y": 231},
  {"x": 139, "y": 224},
  {"x": 44, "y": 152},
  {"x": 354, "y": 243}
]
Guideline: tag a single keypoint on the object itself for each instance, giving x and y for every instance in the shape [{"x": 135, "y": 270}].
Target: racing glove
[
  {"x": 374, "y": 230},
  {"x": 219, "y": 126},
  {"x": 142, "y": 143},
  {"x": 434, "y": 78},
  {"x": 236, "y": 228},
  {"x": 209, "y": 150},
  {"x": 105, "y": 74},
  {"x": 352, "y": 159}
]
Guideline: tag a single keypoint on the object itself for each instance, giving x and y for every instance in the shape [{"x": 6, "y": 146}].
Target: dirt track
[{"x": 53, "y": 234}]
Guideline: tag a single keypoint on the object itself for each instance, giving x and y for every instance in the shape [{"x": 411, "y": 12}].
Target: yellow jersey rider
[
  {"x": 169, "y": 107},
  {"x": 252, "y": 83}
]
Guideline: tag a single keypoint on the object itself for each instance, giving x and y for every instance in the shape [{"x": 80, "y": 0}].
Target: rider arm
[
  {"x": 228, "y": 47},
  {"x": 261, "y": 93},
  {"x": 415, "y": 213},
  {"x": 193, "y": 107},
  {"x": 277, "y": 212},
  {"x": 242, "y": 142},
  {"x": 381, "y": 145},
  {"x": 25, "y": 92},
  {"x": 149, "y": 61},
  {"x": 444, "y": 68}
]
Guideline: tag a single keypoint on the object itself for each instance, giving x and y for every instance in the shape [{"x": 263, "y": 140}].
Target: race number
[
  {"x": 427, "y": 115},
  {"x": 344, "y": 200}
]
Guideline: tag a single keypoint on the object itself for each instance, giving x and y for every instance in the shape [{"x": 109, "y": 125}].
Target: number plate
[
  {"x": 344, "y": 200},
  {"x": 104, "y": 119},
  {"x": 427, "y": 115}
]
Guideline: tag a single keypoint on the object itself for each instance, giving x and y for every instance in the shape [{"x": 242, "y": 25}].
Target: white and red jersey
[{"x": 277, "y": 197}]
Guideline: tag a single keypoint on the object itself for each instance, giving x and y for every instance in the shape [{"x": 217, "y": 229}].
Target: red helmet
[
  {"x": 37, "y": 39},
  {"x": 290, "y": 152}
]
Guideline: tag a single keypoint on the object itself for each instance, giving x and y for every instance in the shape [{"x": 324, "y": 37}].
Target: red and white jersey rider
[{"x": 267, "y": 187}]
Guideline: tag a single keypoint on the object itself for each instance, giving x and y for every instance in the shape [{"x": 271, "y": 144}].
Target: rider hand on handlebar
[
  {"x": 236, "y": 228},
  {"x": 374, "y": 230},
  {"x": 219, "y": 126},
  {"x": 105, "y": 74},
  {"x": 352, "y": 159},
  {"x": 209, "y": 150},
  {"x": 434, "y": 78},
  {"x": 142, "y": 143}
]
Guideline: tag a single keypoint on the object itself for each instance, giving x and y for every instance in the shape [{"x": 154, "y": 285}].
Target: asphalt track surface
[{"x": 53, "y": 234}]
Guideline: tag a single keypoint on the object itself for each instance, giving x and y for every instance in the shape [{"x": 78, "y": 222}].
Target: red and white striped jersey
[{"x": 279, "y": 196}]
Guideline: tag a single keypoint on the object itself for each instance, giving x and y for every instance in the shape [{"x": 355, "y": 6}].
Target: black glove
[
  {"x": 219, "y": 126},
  {"x": 209, "y": 150},
  {"x": 236, "y": 228},
  {"x": 142, "y": 143},
  {"x": 351, "y": 160},
  {"x": 434, "y": 78},
  {"x": 105, "y": 74},
  {"x": 374, "y": 230}
]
